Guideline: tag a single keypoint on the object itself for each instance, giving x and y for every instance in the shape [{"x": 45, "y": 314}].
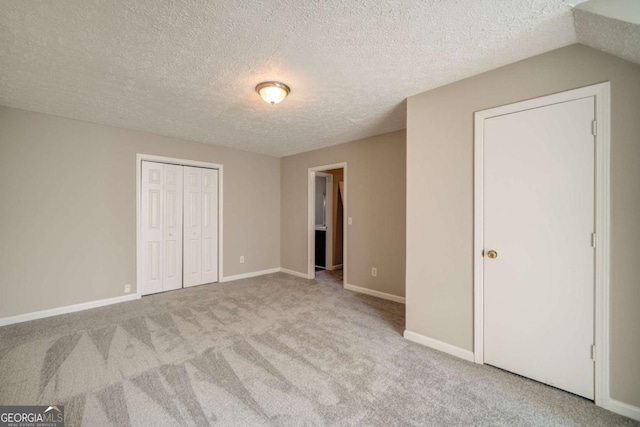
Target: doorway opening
[{"x": 327, "y": 222}]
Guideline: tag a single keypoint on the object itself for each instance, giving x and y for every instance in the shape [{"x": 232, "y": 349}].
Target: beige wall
[
  {"x": 440, "y": 196},
  {"x": 375, "y": 196},
  {"x": 337, "y": 235},
  {"x": 68, "y": 211}
]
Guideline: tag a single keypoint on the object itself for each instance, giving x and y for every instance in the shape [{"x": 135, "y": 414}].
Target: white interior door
[
  {"x": 172, "y": 231},
  {"x": 209, "y": 225},
  {"x": 539, "y": 218},
  {"x": 152, "y": 230},
  {"x": 192, "y": 226}
]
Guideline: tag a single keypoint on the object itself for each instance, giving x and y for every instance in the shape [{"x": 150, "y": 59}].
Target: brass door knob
[{"x": 492, "y": 254}]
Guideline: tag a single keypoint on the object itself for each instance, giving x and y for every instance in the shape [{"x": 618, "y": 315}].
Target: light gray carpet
[{"x": 273, "y": 350}]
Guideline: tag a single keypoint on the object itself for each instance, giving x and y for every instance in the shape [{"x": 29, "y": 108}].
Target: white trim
[
  {"x": 251, "y": 274},
  {"x": 439, "y": 345},
  {"x": 294, "y": 273},
  {"x": 373, "y": 293},
  {"x": 220, "y": 221},
  {"x": 66, "y": 309},
  {"x": 183, "y": 162},
  {"x": 625, "y": 409},
  {"x": 601, "y": 92},
  {"x": 335, "y": 267},
  {"x": 478, "y": 239},
  {"x": 176, "y": 161},
  {"x": 311, "y": 203}
]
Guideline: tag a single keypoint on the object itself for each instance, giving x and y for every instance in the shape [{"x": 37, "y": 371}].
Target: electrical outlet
[
  {"x": 350, "y": 221},
  {"x": 127, "y": 288},
  {"x": 242, "y": 259},
  {"x": 374, "y": 272}
]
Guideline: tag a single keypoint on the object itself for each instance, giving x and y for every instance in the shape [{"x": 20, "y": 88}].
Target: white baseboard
[
  {"x": 66, "y": 309},
  {"x": 373, "y": 293},
  {"x": 334, "y": 267},
  {"x": 108, "y": 301},
  {"x": 251, "y": 274},
  {"x": 294, "y": 273},
  {"x": 439, "y": 345},
  {"x": 625, "y": 409}
]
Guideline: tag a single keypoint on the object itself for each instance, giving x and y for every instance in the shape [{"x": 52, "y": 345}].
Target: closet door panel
[
  {"x": 152, "y": 229},
  {"x": 179, "y": 226},
  {"x": 209, "y": 225},
  {"x": 173, "y": 188},
  {"x": 192, "y": 269}
]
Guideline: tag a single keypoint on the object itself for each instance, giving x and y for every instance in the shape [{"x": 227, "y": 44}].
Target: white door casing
[
  {"x": 539, "y": 217},
  {"x": 311, "y": 182}
]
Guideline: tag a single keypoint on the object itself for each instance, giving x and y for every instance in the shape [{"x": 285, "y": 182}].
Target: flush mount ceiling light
[{"x": 273, "y": 92}]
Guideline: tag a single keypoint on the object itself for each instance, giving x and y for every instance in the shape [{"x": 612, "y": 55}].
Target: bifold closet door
[
  {"x": 172, "y": 273},
  {"x": 209, "y": 225},
  {"x": 200, "y": 226},
  {"x": 192, "y": 226},
  {"x": 161, "y": 227}
]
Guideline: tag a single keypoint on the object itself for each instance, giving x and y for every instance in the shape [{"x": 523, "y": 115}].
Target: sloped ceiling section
[
  {"x": 612, "y": 26},
  {"x": 188, "y": 68}
]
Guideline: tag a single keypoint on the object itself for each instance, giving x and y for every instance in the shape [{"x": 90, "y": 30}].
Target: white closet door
[
  {"x": 539, "y": 220},
  {"x": 209, "y": 225},
  {"x": 192, "y": 226},
  {"x": 172, "y": 231},
  {"x": 152, "y": 229}
]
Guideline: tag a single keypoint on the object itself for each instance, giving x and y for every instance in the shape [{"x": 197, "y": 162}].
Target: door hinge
[
  {"x": 594, "y": 128},
  {"x": 593, "y": 352},
  {"x": 593, "y": 240}
]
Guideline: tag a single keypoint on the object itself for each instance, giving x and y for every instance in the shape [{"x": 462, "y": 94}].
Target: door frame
[
  {"x": 311, "y": 226},
  {"x": 181, "y": 162},
  {"x": 328, "y": 237},
  {"x": 601, "y": 92}
]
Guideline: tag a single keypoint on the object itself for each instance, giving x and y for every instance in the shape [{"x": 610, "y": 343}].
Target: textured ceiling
[
  {"x": 612, "y": 26},
  {"x": 188, "y": 68}
]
